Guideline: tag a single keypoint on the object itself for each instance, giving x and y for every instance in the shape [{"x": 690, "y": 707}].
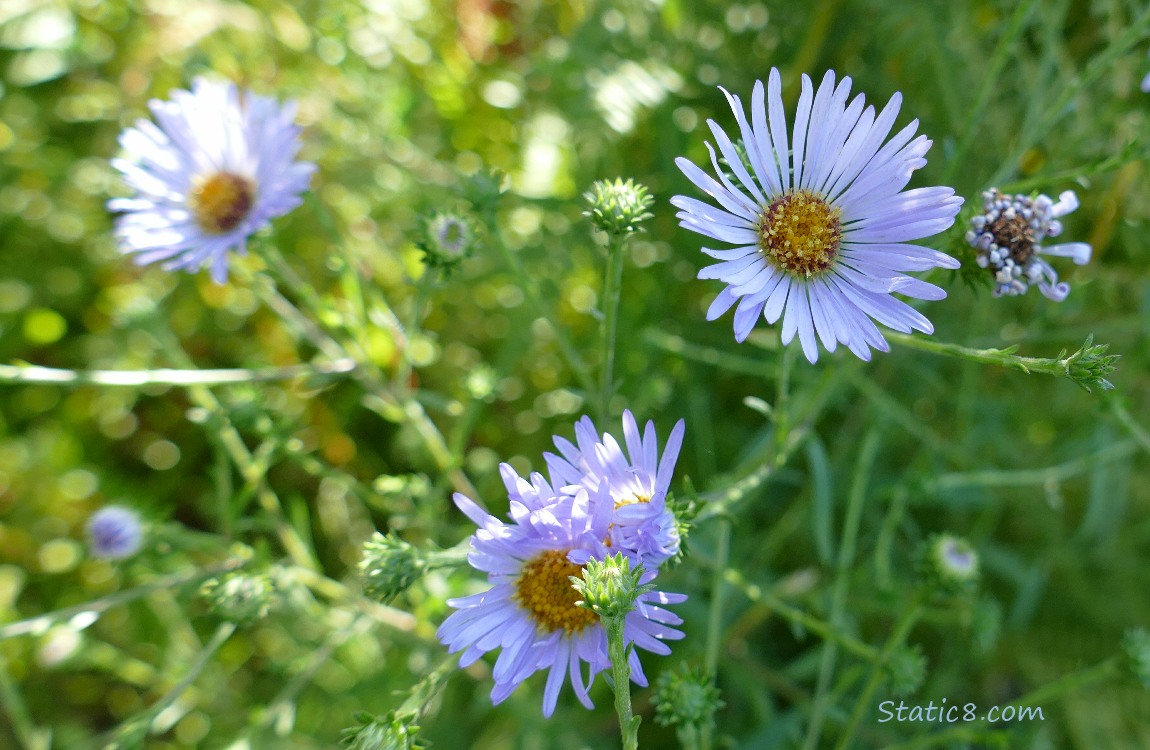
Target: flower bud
[
  {"x": 685, "y": 698},
  {"x": 115, "y": 532},
  {"x": 241, "y": 597},
  {"x": 382, "y": 733},
  {"x": 618, "y": 208},
  {"x": 609, "y": 587},
  {"x": 389, "y": 566},
  {"x": 950, "y": 563}
]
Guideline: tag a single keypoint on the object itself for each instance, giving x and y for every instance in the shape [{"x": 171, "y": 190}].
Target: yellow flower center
[
  {"x": 221, "y": 201},
  {"x": 544, "y": 590},
  {"x": 631, "y": 500},
  {"x": 801, "y": 233}
]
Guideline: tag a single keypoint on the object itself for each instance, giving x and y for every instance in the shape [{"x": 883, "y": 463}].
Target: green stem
[
  {"x": 402, "y": 380},
  {"x": 29, "y": 737},
  {"x": 621, "y": 672},
  {"x": 612, "y": 291},
  {"x": 990, "y": 84},
  {"x": 1085, "y": 366},
  {"x": 844, "y": 563},
  {"x": 41, "y": 623},
  {"x": 897, "y": 637},
  {"x": 768, "y": 599},
  {"x": 180, "y": 378},
  {"x": 566, "y": 349},
  {"x": 140, "y": 724}
]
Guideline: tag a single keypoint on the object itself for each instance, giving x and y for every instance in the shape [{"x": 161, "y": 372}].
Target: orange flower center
[
  {"x": 221, "y": 201},
  {"x": 801, "y": 233},
  {"x": 544, "y": 589}
]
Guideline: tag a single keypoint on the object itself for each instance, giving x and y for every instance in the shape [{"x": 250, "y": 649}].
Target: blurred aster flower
[
  {"x": 450, "y": 238},
  {"x": 531, "y": 612},
  {"x": 1146, "y": 82},
  {"x": 1008, "y": 236},
  {"x": 821, "y": 237},
  {"x": 115, "y": 532},
  {"x": 219, "y": 166},
  {"x": 637, "y": 482}
]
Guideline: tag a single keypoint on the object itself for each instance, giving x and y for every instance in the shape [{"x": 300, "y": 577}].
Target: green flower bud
[
  {"x": 609, "y": 587},
  {"x": 449, "y": 238},
  {"x": 685, "y": 698},
  {"x": 618, "y": 208},
  {"x": 1136, "y": 644},
  {"x": 389, "y": 566},
  {"x": 241, "y": 597},
  {"x": 906, "y": 670},
  {"x": 950, "y": 563},
  {"x": 382, "y": 733}
]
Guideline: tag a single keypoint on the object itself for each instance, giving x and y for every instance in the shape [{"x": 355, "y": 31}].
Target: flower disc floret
[
  {"x": 544, "y": 590},
  {"x": 801, "y": 233},
  {"x": 819, "y": 218},
  {"x": 221, "y": 201}
]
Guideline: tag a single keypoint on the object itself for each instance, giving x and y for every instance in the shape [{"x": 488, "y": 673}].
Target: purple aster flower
[
  {"x": 530, "y": 612},
  {"x": 1008, "y": 236},
  {"x": 820, "y": 218},
  {"x": 637, "y": 481},
  {"x": 115, "y": 532},
  {"x": 219, "y": 166}
]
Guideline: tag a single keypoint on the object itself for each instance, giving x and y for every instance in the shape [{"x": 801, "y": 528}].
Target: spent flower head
[
  {"x": 115, "y": 532},
  {"x": 530, "y": 611},
  {"x": 950, "y": 563},
  {"x": 820, "y": 219},
  {"x": 1008, "y": 237},
  {"x": 216, "y": 166},
  {"x": 618, "y": 208}
]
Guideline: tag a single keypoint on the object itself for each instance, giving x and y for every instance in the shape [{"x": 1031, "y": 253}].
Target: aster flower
[
  {"x": 1008, "y": 236},
  {"x": 115, "y": 533},
  {"x": 820, "y": 218},
  {"x": 636, "y": 480},
  {"x": 530, "y": 612},
  {"x": 219, "y": 166},
  {"x": 1146, "y": 84},
  {"x": 450, "y": 239}
]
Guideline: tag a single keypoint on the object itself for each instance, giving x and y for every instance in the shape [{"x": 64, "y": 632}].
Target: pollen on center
[
  {"x": 221, "y": 201},
  {"x": 544, "y": 589},
  {"x": 633, "y": 499},
  {"x": 801, "y": 233}
]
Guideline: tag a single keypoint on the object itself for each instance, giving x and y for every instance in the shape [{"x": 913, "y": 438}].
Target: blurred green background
[{"x": 406, "y": 105}]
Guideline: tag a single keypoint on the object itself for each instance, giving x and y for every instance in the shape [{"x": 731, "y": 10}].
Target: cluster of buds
[{"x": 1008, "y": 237}]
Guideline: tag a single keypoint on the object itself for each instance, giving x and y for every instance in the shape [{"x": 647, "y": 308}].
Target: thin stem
[
  {"x": 768, "y": 599},
  {"x": 612, "y": 291},
  {"x": 41, "y": 623},
  {"x": 1086, "y": 367},
  {"x": 179, "y": 378},
  {"x": 621, "y": 672},
  {"x": 141, "y": 723},
  {"x": 990, "y": 83},
  {"x": 897, "y": 637},
  {"x": 844, "y": 563},
  {"x": 566, "y": 349},
  {"x": 29, "y": 737},
  {"x": 715, "y": 620},
  {"x": 401, "y": 383}
]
